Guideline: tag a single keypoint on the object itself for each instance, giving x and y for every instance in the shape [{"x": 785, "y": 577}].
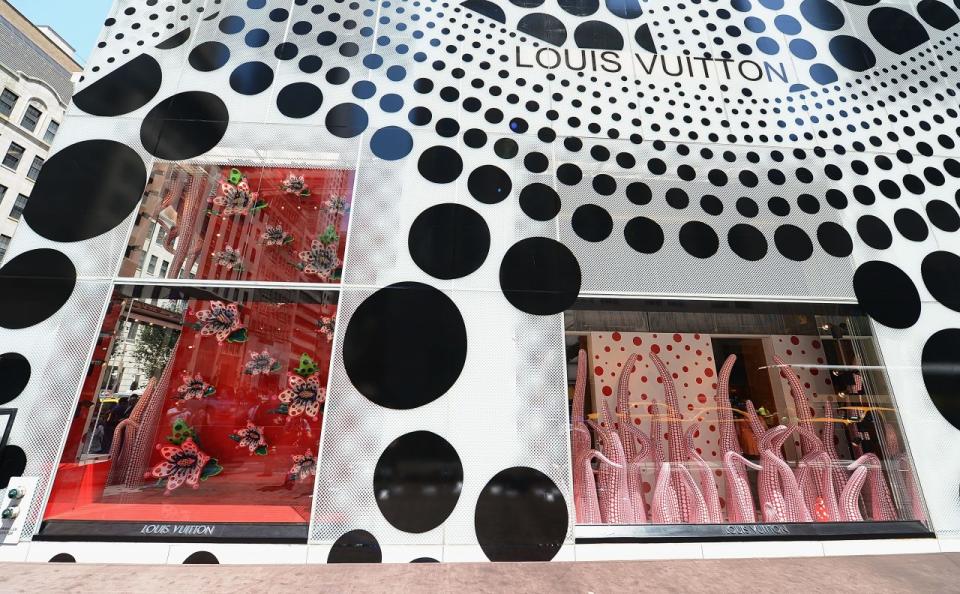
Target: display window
[
  {"x": 241, "y": 223},
  {"x": 200, "y": 406},
  {"x": 703, "y": 413}
]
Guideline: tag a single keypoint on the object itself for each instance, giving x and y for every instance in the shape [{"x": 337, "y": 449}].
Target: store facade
[{"x": 509, "y": 281}]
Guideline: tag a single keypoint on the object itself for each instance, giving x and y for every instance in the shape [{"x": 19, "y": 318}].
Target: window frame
[{"x": 18, "y": 159}]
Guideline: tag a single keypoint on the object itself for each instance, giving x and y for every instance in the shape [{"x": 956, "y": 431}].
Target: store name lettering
[
  {"x": 178, "y": 529},
  {"x": 652, "y": 65},
  {"x": 756, "y": 529}
]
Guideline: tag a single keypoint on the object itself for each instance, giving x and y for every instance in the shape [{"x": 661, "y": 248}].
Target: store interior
[{"x": 700, "y": 412}]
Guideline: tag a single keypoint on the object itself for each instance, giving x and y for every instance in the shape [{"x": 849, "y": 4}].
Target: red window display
[
  {"x": 238, "y": 222},
  {"x": 201, "y": 405}
]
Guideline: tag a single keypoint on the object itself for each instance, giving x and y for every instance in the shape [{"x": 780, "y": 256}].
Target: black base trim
[
  {"x": 92, "y": 531},
  {"x": 755, "y": 532}
]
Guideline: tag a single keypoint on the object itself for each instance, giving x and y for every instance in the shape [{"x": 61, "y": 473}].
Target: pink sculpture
[
  {"x": 838, "y": 473},
  {"x": 584, "y": 486},
  {"x": 814, "y": 477},
  {"x": 613, "y": 490},
  {"x": 689, "y": 496},
  {"x": 708, "y": 486},
  {"x": 740, "y": 507},
  {"x": 636, "y": 444},
  {"x": 868, "y": 468},
  {"x": 126, "y": 434},
  {"x": 780, "y": 497},
  {"x": 666, "y": 497}
]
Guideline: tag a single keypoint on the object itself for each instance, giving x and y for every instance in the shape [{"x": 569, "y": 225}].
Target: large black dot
[
  {"x": 937, "y": 14},
  {"x": 13, "y": 461},
  {"x": 489, "y": 184},
  {"x": 184, "y": 126},
  {"x": 440, "y": 164},
  {"x": 874, "y": 232},
  {"x": 834, "y": 239},
  {"x": 699, "y": 239},
  {"x": 33, "y": 286},
  {"x": 793, "y": 242},
  {"x": 251, "y": 78},
  {"x": 544, "y": 27},
  {"x": 539, "y": 201},
  {"x": 940, "y": 366},
  {"x": 85, "y": 190},
  {"x": 643, "y": 235},
  {"x": 592, "y": 223},
  {"x": 209, "y": 56},
  {"x": 346, "y": 120},
  {"x": 356, "y": 546},
  {"x": 540, "y": 276},
  {"x": 417, "y": 481},
  {"x": 911, "y": 225},
  {"x": 747, "y": 242},
  {"x": 62, "y": 558},
  {"x": 126, "y": 89},
  {"x": 852, "y": 53},
  {"x": 14, "y": 375},
  {"x": 598, "y": 35},
  {"x": 887, "y": 294},
  {"x": 201, "y": 558},
  {"x": 940, "y": 271},
  {"x": 449, "y": 241},
  {"x": 299, "y": 100},
  {"x": 398, "y": 369},
  {"x": 896, "y": 29},
  {"x": 943, "y": 216},
  {"x": 521, "y": 515}
]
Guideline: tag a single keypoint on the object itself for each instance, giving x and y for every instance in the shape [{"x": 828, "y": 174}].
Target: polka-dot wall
[{"x": 492, "y": 192}]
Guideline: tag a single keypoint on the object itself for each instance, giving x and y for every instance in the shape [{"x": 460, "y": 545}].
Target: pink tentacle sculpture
[
  {"x": 688, "y": 493},
  {"x": 126, "y": 434},
  {"x": 758, "y": 427},
  {"x": 838, "y": 473},
  {"x": 635, "y": 475},
  {"x": 801, "y": 404},
  {"x": 708, "y": 485},
  {"x": 780, "y": 496},
  {"x": 657, "y": 454},
  {"x": 880, "y": 501},
  {"x": 813, "y": 476},
  {"x": 584, "y": 485},
  {"x": 667, "y": 499},
  {"x": 613, "y": 489},
  {"x": 850, "y": 496},
  {"x": 627, "y": 438},
  {"x": 740, "y": 507},
  {"x": 585, "y": 492},
  {"x": 728, "y": 439}
]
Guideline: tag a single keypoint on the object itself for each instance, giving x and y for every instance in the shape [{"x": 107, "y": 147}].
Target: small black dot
[
  {"x": 793, "y": 243},
  {"x": 643, "y": 235},
  {"x": 489, "y": 184},
  {"x": 747, "y": 242},
  {"x": 539, "y": 201},
  {"x": 592, "y": 223},
  {"x": 699, "y": 239}
]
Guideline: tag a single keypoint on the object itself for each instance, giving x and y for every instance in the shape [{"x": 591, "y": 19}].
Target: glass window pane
[
  {"x": 4, "y": 244},
  {"x": 13, "y": 156},
  {"x": 255, "y": 223},
  {"x": 19, "y": 204},
  {"x": 8, "y": 100},
  {"x": 31, "y": 117},
  {"x": 35, "y": 168},
  {"x": 731, "y": 398},
  {"x": 229, "y": 413},
  {"x": 51, "y": 132}
]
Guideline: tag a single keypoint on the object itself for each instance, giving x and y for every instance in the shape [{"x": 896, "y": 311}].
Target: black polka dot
[
  {"x": 124, "y": 90},
  {"x": 232, "y": 24},
  {"x": 251, "y": 78},
  {"x": 13, "y": 461},
  {"x": 937, "y": 14},
  {"x": 940, "y": 367},
  {"x": 431, "y": 559},
  {"x": 299, "y": 100},
  {"x": 569, "y": 174},
  {"x": 506, "y": 148},
  {"x": 62, "y": 558},
  {"x": 14, "y": 375},
  {"x": 536, "y": 162},
  {"x": 911, "y": 225},
  {"x": 639, "y": 193},
  {"x": 598, "y": 35},
  {"x": 33, "y": 286},
  {"x": 793, "y": 243},
  {"x": 449, "y": 241},
  {"x": 643, "y": 235},
  {"x": 174, "y": 41},
  {"x": 592, "y": 223},
  {"x": 540, "y": 276},
  {"x": 887, "y": 294},
  {"x": 539, "y": 201},
  {"x": 356, "y": 546},
  {"x": 747, "y": 242},
  {"x": 112, "y": 177},
  {"x": 544, "y": 27},
  {"x": 391, "y": 143},
  {"x": 489, "y": 184},
  {"x": 874, "y": 232},
  {"x": 699, "y": 239},
  {"x": 209, "y": 56},
  {"x": 184, "y": 126},
  {"x": 896, "y": 29},
  {"x": 201, "y": 558},
  {"x": 440, "y": 164},
  {"x": 521, "y": 515},
  {"x": 487, "y": 9},
  {"x": 346, "y": 120},
  {"x": 834, "y": 239},
  {"x": 943, "y": 216},
  {"x": 852, "y": 53},
  {"x": 397, "y": 369},
  {"x": 940, "y": 271},
  {"x": 417, "y": 481}
]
